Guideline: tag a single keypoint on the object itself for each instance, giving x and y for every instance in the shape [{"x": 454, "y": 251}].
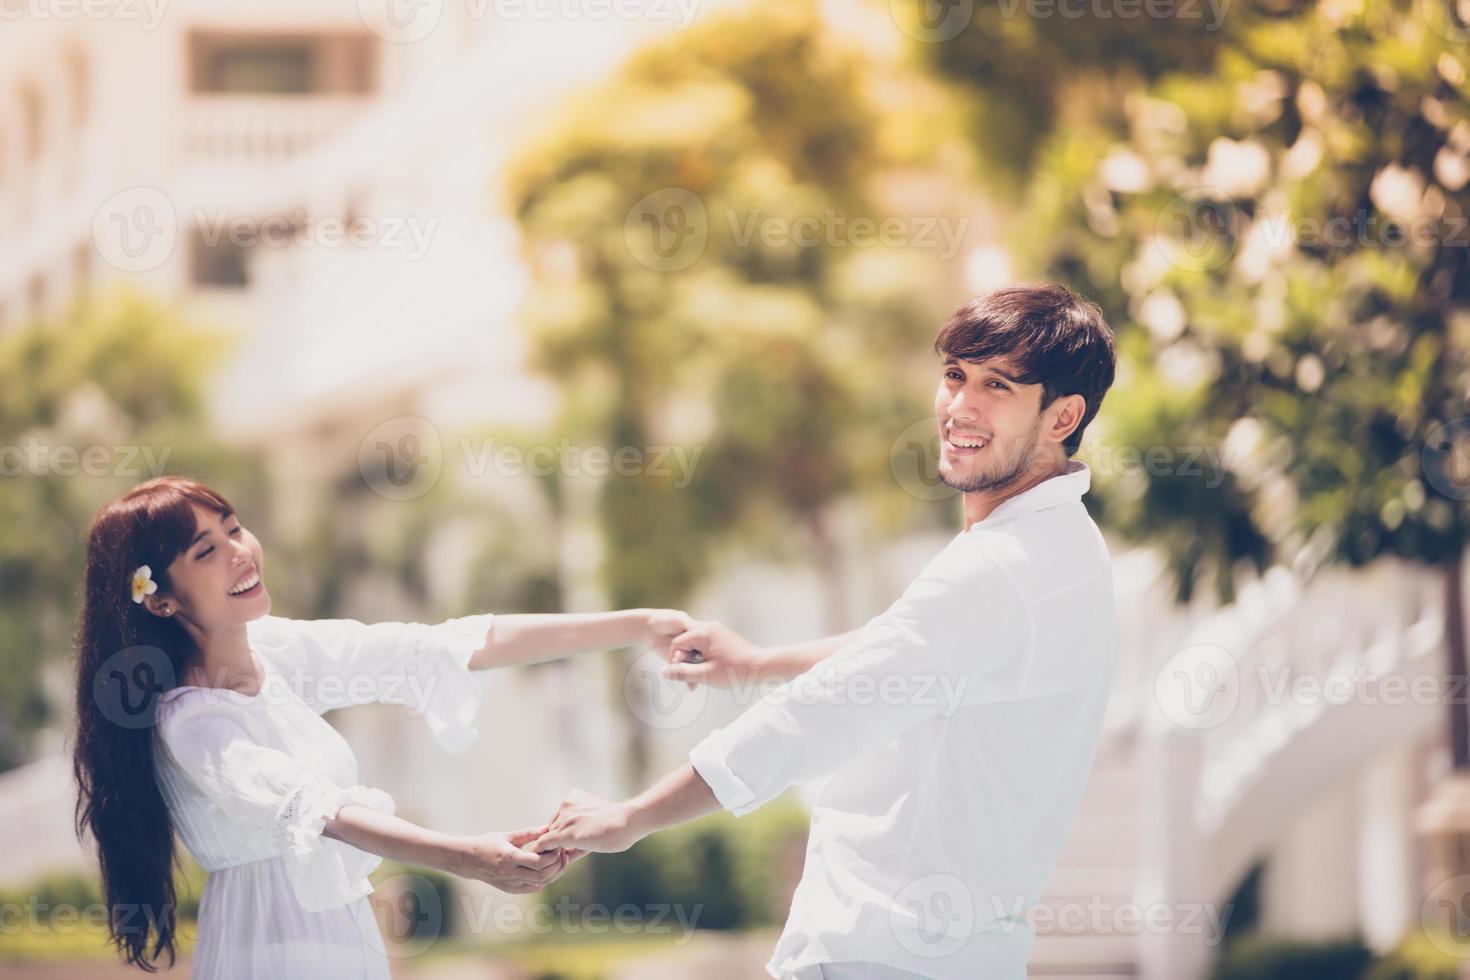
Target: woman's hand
[
  {"x": 503, "y": 861},
  {"x": 712, "y": 653},
  {"x": 585, "y": 823},
  {"x": 660, "y": 626}
]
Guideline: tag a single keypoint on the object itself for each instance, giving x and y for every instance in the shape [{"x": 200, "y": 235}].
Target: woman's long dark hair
[{"x": 126, "y": 658}]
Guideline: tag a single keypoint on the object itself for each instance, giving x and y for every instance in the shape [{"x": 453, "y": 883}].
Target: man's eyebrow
[{"x": 951, "y": 359}]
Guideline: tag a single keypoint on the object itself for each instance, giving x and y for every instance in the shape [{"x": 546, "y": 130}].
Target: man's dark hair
[{"x": 1051, "y": 336}]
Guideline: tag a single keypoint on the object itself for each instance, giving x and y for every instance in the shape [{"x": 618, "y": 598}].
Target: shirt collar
[{"x": 1064, "y": 488}]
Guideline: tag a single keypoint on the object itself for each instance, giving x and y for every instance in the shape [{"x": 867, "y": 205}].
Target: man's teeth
[
  {"x": 246, "y": 585},
  {"x": 966, "y": 442}
]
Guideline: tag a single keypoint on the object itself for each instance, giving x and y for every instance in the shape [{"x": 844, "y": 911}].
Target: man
[{"x": 961, "y": 724}]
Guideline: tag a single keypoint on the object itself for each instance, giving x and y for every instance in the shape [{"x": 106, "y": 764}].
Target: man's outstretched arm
[
  {"x": 585, "y": 823},
  {"x": 953, "y": 639},
  {"x": 712, "y": 653}
]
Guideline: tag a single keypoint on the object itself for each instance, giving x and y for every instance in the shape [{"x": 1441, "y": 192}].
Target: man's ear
[
  {"x": 159, "y": 605},
  {"x": 1066, "y": 415}
]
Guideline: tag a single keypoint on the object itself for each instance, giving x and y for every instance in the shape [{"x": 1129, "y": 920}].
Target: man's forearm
[
  {"x": 679, "y": 797},
  {"x": 793, "y": 661},
  {"x": 532, "y": 638}
]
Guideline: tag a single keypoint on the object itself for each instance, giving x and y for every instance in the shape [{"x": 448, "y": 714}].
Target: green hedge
[
  {"x": 1418, "y": 958},
  {"x": 722, "y": 869},
  {"x": 1262, "y": 958}
]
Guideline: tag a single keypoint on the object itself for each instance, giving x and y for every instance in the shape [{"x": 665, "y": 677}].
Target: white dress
[{"x": 250, "y": 779}]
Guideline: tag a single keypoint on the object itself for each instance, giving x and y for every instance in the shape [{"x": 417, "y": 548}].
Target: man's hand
[
  {"x": 712, "y": 653},
  {"x": 505, "y": 861},
  {"x": 585, "y": 823}
]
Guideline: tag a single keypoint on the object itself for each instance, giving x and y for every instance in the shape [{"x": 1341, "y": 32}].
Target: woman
[{"x": 200, "y": 714}]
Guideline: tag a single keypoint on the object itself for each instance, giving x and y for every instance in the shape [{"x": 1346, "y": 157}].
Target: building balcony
[{"x": 260, "y": 130}]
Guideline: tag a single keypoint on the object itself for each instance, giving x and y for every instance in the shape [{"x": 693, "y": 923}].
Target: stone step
[
  {"x": 1091, "y": 879},
  {"x": 1112, "y": 953},
  {"x": 1102, "y": 838}
]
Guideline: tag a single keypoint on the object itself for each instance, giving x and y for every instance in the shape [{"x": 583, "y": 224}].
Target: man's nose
[{"x": 962, "y": 409}]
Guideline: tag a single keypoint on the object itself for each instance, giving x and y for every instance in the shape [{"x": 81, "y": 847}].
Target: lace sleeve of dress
[
  {"x": 325, "y": 873},
  {"x": 223, "y": 748},
  {"x": 439, "y": 684}
]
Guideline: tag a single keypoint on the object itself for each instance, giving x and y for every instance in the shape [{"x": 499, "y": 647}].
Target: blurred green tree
[
  {"x": 692, "y": 226},
  {"x": 107, "y": 395},
  {"x": 1031, "y": 67},
  {"x": 1282, "y": 246}
]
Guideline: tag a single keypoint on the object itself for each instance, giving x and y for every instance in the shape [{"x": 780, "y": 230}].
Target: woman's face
[{"x": 218, "y": 581}]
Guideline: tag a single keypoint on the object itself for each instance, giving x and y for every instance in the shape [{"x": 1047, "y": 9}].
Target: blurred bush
[
  {"x": 1259, "y": 958},
  {"x": 1417, "y": 958},
  {"x": 61, "y": 915},
  {"x": 728, "y": 873}
]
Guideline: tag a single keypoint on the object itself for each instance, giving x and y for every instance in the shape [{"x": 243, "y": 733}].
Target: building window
[
  {"x": 220, "y": 263},
  {"x": 81, "y": 266},
  {"x": 326, "y": 64},
  {"x": 79, "y": 78},
  {"x": 36, "y": 294},
  {"x": 31, "y": 121}
]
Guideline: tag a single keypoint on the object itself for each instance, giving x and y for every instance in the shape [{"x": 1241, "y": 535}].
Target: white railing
[
  {"x": 249, "y": 130},
  {"x": 1316, "y": 676}
]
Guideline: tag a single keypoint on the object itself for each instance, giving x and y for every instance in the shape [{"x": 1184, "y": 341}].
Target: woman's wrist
[
  {"x": 633, "y": 626},
  {"x": 453, "y": 854}
]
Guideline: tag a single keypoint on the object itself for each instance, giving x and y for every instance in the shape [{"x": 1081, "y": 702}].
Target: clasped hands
[{"x": 527, "y": 860}]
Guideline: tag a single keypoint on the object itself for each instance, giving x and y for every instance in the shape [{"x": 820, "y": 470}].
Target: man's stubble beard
[{"x": 1015, "y": 469}]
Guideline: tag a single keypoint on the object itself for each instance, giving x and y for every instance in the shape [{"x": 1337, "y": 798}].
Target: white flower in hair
[{"x": 143, "y": 583}]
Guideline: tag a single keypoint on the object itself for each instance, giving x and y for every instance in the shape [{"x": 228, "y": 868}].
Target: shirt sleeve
[
  {"x": 335, "y": 663},
  {"x": 273, "y": 796},
  {"x": 957, "y": 637}
]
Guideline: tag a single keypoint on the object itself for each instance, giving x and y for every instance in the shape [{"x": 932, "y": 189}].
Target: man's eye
[
  {"x": 999, "y": 385},
  {"x": 954, "y": 375}
]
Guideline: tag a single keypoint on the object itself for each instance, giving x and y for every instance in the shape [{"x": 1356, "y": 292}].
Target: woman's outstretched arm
[
  {"x": 498, "y": 859},
  {"x": 532, "y": 638}
]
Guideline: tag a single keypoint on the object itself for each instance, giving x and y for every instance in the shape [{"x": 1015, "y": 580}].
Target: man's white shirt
[{"x": 960, "y": 727}]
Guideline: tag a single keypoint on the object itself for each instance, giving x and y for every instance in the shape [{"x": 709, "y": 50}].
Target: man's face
[{"x": 989, "y": 424}]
